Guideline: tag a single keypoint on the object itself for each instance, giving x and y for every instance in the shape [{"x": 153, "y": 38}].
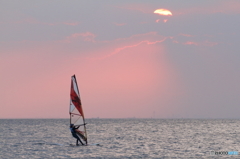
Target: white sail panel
[{"x": 72, "y": 107}]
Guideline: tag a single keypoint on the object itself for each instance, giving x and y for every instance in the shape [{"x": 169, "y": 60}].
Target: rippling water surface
[{"x": 119, "y": 138}]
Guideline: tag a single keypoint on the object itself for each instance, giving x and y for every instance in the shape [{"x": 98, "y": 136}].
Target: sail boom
[{"x": 75, "y": 114}]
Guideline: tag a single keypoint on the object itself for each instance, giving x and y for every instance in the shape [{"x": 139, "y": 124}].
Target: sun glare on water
[{"x": 163, "y": 12}]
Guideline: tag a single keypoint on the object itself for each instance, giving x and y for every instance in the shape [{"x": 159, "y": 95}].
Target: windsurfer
[{"x": 73, "y": 130}]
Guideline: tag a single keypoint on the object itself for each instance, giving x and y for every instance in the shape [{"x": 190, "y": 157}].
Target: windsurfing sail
[{"x": 76, "y": 111}]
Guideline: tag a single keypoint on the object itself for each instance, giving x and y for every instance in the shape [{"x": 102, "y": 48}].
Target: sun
[{"x": 163, "y": 12}]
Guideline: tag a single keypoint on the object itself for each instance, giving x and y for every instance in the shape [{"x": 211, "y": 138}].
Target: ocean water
[{"x": 121, "y": 138}]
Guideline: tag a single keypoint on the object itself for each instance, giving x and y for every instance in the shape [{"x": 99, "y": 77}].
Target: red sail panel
[{"x": 76, "y": 100}]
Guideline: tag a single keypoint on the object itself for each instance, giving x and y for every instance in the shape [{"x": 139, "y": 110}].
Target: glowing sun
[{"x": 163, "y": 12}]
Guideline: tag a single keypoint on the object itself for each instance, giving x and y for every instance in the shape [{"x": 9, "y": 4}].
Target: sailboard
[{"x": 76, "y": 111}]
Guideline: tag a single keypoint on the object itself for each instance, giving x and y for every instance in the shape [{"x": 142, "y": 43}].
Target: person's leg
[{"x": 75, "y": 136}]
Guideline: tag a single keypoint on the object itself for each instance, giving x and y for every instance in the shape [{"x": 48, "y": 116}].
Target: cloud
[
  {"x": 117, "y": 50},
  {"x": 186, "y": 35},
  {"x": 87, "y": 36},
  {"x": 209, "y": 43},
  {"x": 204, "y": 43},
  {"x": 31, "y": 20},
  {"x": 158, "y": 20},
  {"x": 118, "y": 45},
  {"x": 71, "y": 23},
  {"x": 165, "y": 20},
  {"x": 226, "y": 7},
  {"x": 188, "y": 39},
  {"x": 137, "y": 7},
  {"x": 119, "y": 24},
  {"x": 191, "y": 43}
]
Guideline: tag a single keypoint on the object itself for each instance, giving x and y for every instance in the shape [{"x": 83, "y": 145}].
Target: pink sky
[{"x": 129, "y": 62}]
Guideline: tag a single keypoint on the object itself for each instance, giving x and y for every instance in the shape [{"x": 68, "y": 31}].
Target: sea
[{"x": 121, "y": 138}]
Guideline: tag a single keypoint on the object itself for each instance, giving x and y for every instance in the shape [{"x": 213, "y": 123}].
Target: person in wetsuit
[{"x": 74, "y": 133}]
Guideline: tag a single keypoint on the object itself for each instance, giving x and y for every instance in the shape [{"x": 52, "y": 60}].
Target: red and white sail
[{"x": 76, "y": 111}]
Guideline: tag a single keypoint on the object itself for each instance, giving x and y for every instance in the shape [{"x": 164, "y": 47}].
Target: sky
[{"x": 129, "y": 61}]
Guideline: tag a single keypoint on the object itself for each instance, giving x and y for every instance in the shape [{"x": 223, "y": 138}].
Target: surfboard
[{"x": 93, "y": 144}]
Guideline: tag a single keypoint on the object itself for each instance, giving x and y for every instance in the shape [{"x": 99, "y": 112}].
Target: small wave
[
  {"x": 55, "y": 144},
  {"x": 39, "y": 143}
]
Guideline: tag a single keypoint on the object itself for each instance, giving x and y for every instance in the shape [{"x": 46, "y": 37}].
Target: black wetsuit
[{"x": 73, "y": 131}]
